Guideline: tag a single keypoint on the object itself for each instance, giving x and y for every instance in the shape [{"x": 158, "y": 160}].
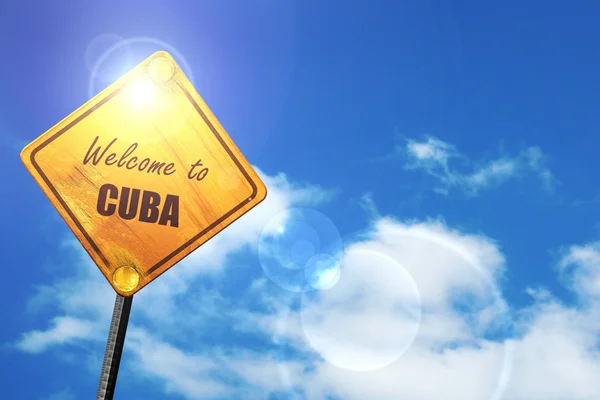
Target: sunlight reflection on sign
[{"x": 141, "y": 93}]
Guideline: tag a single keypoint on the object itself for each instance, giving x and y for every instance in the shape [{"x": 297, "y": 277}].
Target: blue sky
[{"x": 452, "y": 147}]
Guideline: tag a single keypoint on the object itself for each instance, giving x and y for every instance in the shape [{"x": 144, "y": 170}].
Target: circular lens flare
[
  {"x": 296, "y": 246},
  {"x": 369, "y": 318},
  {"x": 322, "y": 271},
  {"x": 112, "y": 66}
]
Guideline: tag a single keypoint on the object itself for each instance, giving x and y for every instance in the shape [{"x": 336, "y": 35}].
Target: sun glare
[{"x": 141, "y": 92}]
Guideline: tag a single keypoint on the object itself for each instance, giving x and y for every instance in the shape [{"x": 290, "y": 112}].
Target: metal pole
[{"x": 114, "y": 348}]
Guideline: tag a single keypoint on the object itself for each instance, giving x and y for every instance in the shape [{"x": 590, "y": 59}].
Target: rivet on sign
[
  {"x": 161, "y": 68},
  {"x": 126, "y": 278}
]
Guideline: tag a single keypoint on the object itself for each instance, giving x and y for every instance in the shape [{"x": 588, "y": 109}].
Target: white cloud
[
  {"x": 195, "y": 375},
  {"x": 558, "y": 355},
  {"x": 181, "y": 373},
  {"x": 64, "y": 330},
  {"x": 364, "y": 327},
  {"x": 435, "y": 157},
  {"x": 302, "y": 194},
  {"x": 368, "y": 205},
  {"x": 557, "y": 358},
  {"x": 264, "y": 371},
  {"x": 555, "y": 355},
  {"x": 580, "y": 268},
  {"x": 433, "y": 151}
]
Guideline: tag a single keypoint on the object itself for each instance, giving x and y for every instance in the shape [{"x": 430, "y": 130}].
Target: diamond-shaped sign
[{"x": 143, "y": 174}]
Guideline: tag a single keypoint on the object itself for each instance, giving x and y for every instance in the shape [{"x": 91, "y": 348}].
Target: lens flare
[
  {"x": 351, "y": 324},
  {"x": 322, "y": 271},
  {"x": 297, "y": 249},
  {"x": 120, "y": 56},
  {"x": 141, "y": 93}
]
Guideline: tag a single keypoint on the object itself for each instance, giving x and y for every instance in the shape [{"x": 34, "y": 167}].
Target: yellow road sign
[{"x": 143, "y": 174}]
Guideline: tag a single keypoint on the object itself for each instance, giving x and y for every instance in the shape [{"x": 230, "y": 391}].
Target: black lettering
[
  {"x": 202, "y": 174},
  {"x": 134, "y": 159},
  {"x": 145, "y": 160},
  {"x": 155, "y": 166},
  {"x": 170, "y": 212},
  {"x": 127, "y": 153},
  {"x": 111, "y": 157},
  {"x": 128, "y": 209},
  {"x": 94, "y": 154},
  {"x": 149, "y": 210},
  {"x": 169, "y": 167},
  {"x": 110, "y": 191},
  {"x": 191, "y": 174}
]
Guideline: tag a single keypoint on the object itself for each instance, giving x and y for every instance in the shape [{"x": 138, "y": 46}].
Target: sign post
[
  {"x": 143, "y": 174},
  {"x": 114, "y": 348}
]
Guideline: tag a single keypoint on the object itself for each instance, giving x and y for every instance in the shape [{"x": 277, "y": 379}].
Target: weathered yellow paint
[{"x": 156, "y": 107}]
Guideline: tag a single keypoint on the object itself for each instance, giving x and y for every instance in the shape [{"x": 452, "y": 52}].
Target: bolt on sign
[{"x": 143, "y": 174}]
